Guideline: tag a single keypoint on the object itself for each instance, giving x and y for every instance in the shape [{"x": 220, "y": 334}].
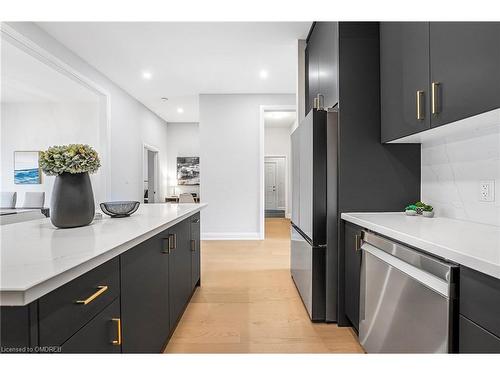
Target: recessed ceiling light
[
  {"x": 263, "y": 74},
  {"x": 147, "y": 75},
  {"x": 180, "y": 110},
  {"x": 164, "y": 99}
]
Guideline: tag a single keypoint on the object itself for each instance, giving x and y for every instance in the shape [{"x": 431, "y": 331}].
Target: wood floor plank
[{"x": 247, "y": 303}]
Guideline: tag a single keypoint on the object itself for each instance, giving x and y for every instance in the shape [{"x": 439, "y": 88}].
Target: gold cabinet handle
[
  {"x": 420, "y": 106},
  {"x": 174, "y": 241},
  {"x": 100, "y": 290},
  {"x": 434, "y": 99},
  {"x": 193, "y": 245},
  {"x": 118, "y": 340}
]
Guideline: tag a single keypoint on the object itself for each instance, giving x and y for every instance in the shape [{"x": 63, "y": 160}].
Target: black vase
[{"x": 72, "y": 201}]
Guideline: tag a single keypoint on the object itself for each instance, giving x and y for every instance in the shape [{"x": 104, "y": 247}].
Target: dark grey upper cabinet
[
  {"x": 312, "y": 68},
  {"x": 436, "y": 73},
  {"x": 144, "y": 296},
  {"x": 322, "y": 64},
  {"x": 465, "y": 69},
  {"x": 404, "y": 78},
  {"x": 328, "y": 62}
]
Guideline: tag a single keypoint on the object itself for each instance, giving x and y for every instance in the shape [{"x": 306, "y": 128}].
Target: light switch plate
[{"x": 487, "y": 191}]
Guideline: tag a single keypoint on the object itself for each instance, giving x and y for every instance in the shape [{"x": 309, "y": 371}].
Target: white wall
[
  {"x": 183, "y": 140},
  {"x": 132, "y": 124},
  {"x": 37, "y": 126},
  {"x": 277, "y": 142},
  {"x": 452, "y": 170},
  {"x": 230, "y": 162}
]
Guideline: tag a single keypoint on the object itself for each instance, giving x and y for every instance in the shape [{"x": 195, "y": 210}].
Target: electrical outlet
[{"x": 487, "y": 191}]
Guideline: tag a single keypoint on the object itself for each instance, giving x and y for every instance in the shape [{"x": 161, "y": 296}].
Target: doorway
[
  {"x": 275, "y": 186},
  {"x": 150, "y": 174},
  {"x": 276, "y": 125}
]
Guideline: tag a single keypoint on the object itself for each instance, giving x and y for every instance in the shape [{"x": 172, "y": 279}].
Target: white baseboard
[{"x": 230, "y": 236}]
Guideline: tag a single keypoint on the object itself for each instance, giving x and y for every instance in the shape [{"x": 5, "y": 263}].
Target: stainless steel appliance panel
[
  {"x": 403, "y": 309},
  {"x": 301, "y": 265},
  {"x": 306, "y": 174}
]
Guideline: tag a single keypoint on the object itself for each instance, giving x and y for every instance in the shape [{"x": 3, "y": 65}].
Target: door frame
[
  {"x": 156, "y": 152},
  {"x": 263, "y": 109}
]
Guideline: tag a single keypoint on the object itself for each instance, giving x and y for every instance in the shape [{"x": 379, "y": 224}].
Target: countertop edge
[
  {"x": 25, "y": 297},
  {"x": 432, "y": 248}
]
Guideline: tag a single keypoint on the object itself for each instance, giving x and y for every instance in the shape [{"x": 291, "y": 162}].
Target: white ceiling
[
  {"x": 187, "y": 58},
  {"x": 24, "y": 78},
  {"x": 279, "y": 119}
]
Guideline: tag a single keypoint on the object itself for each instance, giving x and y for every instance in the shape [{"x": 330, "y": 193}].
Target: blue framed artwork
[{"x": 26, "y": 169}]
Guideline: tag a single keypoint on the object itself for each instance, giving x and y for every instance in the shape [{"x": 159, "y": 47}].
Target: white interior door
[
  {"x": 151, "y": 173},
  {"x": 271, "y": 198}
]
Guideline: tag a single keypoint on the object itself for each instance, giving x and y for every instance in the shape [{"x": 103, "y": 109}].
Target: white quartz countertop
[
  {"x": 36, "y": 258},
  {"x": 470, "y": 244}
]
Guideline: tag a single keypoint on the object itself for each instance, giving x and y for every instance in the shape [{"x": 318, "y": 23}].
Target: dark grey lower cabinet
[
  {"x": 101, "y": 335},
  {"x": 195, "y": 251},
  {"x": 144, "y": 297},
  {"x": 179, "y": 270},
  {"x": 479, "y": 330},
  {"x": 475, "y": 339},
  {"x": 352, "y": 257}
]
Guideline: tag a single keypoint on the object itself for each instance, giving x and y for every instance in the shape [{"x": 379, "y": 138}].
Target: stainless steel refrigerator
[
  {"x": 339, "y": 164},
  {"x": 314, "y": 169}
]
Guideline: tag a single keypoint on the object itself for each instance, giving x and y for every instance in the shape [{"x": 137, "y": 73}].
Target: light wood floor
[{"x": 247, "y": 303}]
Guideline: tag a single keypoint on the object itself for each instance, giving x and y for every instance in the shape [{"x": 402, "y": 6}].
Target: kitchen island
[{"x": 117, "y": 285}]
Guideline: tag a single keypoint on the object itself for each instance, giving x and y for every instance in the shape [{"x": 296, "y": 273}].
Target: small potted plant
[
  {"x": 428, "y": 211},
  {"x": 72, "y": 203},
  {"x": 411, "y": 210}
]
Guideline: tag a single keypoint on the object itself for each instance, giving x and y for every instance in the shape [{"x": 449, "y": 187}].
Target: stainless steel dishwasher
[{"x": 407, "y": 299}]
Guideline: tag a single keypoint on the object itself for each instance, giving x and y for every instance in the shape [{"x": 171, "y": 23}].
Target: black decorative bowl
[{"x": 120, "y": 208}]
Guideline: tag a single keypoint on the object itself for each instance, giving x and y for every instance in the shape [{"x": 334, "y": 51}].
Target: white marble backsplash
[{"x": 452, "y": 169}]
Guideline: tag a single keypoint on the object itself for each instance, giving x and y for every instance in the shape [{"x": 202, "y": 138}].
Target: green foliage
[
  {"x": 419, "y": 206},
  {"x": 73, "y": 158}
]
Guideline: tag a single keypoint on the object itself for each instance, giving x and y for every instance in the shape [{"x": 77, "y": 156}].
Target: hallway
[{"x": 248, "y": 303}]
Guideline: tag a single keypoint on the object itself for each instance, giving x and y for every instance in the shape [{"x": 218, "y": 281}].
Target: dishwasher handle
[{"x": 430, "y": 281}]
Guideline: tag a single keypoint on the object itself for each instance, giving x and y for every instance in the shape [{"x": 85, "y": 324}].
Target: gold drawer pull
[
  {"x": 101, "y": 290},
  {"x": 193, "y": 245},
  {"x": 118, "y": 340}
]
